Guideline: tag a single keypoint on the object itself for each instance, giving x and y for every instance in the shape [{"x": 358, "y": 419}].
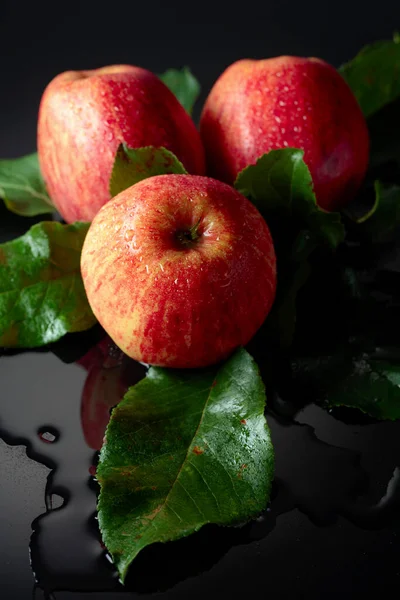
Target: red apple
[
  {"x": 85, "y": 115},
  {"x": 260, "y": 105},
  {"x": 179, "y": 270}
]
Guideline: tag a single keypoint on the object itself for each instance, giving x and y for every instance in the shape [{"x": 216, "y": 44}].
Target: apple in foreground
[
  {"x": 261, "y": 105},
  {"x": 85, "y": 115},
  {"x": 179, "y": 270}
]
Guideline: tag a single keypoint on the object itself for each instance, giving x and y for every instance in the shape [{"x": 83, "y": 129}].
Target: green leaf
[
  {"x": 184, "y": 85},
  {"x": 182, "y": 449},
  {"x": 374, "y": 75},
  {"x": 131, "y": 165},
  {"x": 280, "y": 184},
  {"x": 41, "y": 290},
  {"x": 381, "y": 222},
  {"x": 282, "y": 320},
  {"x": 369, "y": 384},
  {"x": 384, "y": 127},
  {"x": 22, "y": 187}
]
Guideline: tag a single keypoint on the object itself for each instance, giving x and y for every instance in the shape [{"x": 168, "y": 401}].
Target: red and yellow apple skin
[
  {"x": 261, "y": 105},
  {"x": 179, "y": 270},
  {"x": 85, "y": 115}
]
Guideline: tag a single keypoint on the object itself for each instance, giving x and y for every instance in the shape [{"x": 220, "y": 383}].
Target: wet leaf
[
  {"x": 184, "y": 85},
  {"x": 280, "y": 185},
  {"x": 381, "y": 222},
  {"x": 374, "y": 75},
  {"x": 182, "y": 449},
  {"x": 131, "y": 165},
  {"x": 359, "y": 381},
  {"x": 22, "y": 187},
  {"x": 41, "y": 290}
]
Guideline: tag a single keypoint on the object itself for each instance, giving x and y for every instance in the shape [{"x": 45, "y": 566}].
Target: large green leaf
[
  {"x": 382, "y": 221},
  {"x": 359, "y": 381},
  {"x": 22, "y": 187},
  {"x": 41, "y": 290},
  {"x": 182, "y": 449},
  {"x": 280, "y": 185},
  {"x": 184, "y": 85},
  {"x": 131, "y": 165},
  {"x": 374, "y": 75},
  {"x": 384, "y": 127}
]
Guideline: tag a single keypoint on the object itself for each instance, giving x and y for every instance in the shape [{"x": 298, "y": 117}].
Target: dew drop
[
  {"x": 48, "y": 435},
  {"x": 129, "y": 233}
]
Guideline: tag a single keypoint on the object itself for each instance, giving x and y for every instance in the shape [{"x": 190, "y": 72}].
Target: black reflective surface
[{"x": 333, "y": 527}]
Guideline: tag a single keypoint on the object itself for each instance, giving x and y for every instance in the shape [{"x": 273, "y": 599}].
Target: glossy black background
[{"x": 38, "y": 40}]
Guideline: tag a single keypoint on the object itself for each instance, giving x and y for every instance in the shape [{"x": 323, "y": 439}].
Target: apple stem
[{"x": 188, "y": 236}]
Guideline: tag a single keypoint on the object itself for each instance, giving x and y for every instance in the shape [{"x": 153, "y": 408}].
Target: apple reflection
[{"x": 109, "y": 375}]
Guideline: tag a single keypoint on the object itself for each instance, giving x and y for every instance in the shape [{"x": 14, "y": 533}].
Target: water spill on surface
[{"x": 60, "y": 410}]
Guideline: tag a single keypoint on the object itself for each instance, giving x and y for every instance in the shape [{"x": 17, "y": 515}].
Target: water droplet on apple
[
  {"x": 176, "y": 281},
  {"x": 129, "y": 233},
  {"x": 286, "y": 89},
  {"x": 116, "y": 108},
  {"x": 283, "y": 130},
  {"x": 285, "y": 144},
  {"x": 110, "y": 136},
  {"x": 304, "y": 117},
  {"x": 278, "y": 74},
  {"x": 277, "y": 119},
  {"x": 282, "y": 103}
]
